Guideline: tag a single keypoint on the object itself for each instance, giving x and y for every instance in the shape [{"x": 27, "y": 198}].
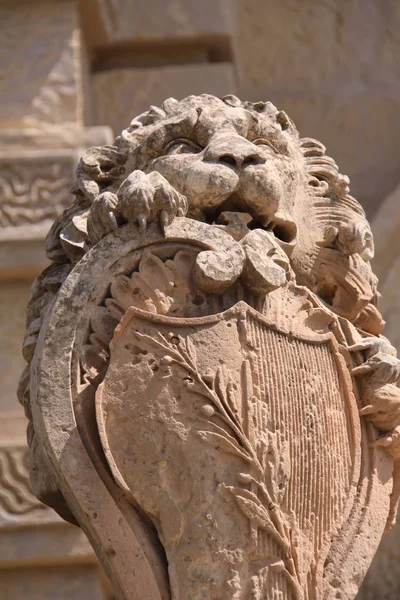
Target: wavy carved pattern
[
  {"x": 31, "y": 193},
  {"x": 16, "y": 495}
]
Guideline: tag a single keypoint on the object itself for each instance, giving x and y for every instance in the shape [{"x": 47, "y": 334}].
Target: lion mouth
[{"x": 235, "y": 214}]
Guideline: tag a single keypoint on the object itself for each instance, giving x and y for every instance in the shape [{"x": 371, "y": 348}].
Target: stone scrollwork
[{"x": 210, "y": 395}]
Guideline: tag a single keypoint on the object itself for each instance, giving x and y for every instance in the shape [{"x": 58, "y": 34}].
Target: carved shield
[
  {"x": 228, "y": 426},
  {"x": 238, "y": 434}
]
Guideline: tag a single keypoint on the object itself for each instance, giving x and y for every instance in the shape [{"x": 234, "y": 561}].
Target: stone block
[
  {"x": 34, "y": 188},
  {"x": 54, "y": 138},
  {"x": 302, "y": 56},
  {"x": 300, "y": 45},
  {"x": 124, "y": 93},
  {"x": 385, "y": 227},
  {"x": 57, "y": 583},
  {"x": 13, "y": 298},
  {"x": 18, "y": 504},
  {"x": 40, "y": 70},
  {"x": 390, "y": 289},
  {"x": 33, "y": 535},
  {"x": 57, "y": 542},
  {"x": 13, "y": 427},
  {"x": 23, "y": 259},
  {"x": 122, "y": 20}
]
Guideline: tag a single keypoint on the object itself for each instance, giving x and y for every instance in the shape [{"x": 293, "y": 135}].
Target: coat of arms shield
[{"x": 238, "y": 434}]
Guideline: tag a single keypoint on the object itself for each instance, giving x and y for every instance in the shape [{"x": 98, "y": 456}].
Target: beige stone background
[{"x": 72, "y": 74}]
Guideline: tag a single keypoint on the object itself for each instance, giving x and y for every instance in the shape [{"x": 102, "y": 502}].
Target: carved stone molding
[
  {"x": 34, "y": 187},
  {"x": 37, "y": 169},
  {"x": 19, "y": 507}
]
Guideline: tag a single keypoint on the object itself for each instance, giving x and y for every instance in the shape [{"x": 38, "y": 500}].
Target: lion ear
[
  {"x": 283, "y": 120},
  {"x": 170, "y": 105},
  {"x": 232, "y": 100}
]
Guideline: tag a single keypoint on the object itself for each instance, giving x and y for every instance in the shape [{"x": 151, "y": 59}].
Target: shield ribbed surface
[{"x": 307, "y": 408}]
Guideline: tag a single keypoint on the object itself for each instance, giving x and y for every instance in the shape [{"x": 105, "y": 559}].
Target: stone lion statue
[{"x": 242, "y": 171}]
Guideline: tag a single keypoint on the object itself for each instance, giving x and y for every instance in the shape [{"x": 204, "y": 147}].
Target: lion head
[{"x": 230, "y": 158}]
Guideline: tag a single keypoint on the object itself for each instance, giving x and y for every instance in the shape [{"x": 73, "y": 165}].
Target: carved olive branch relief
[{"x": 260, "y": 503}]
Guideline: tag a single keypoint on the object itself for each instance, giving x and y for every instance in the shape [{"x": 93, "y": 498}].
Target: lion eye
[
  {"x": 264, "y": 142},
  {"x": 182, "y": 146}
]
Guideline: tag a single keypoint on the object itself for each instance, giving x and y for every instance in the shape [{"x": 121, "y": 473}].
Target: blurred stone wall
[
  {"x": 73, "y": 74},
  {"x": 42, "y": 133}
]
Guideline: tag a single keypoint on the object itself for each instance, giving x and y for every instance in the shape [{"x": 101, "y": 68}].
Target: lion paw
[
  {"x": 381, "y": 364},
  {"x": 148, "y": 198},
  {"x": 141, "y": 198},
  {"x": 101, "y": 218},
  {"x": 380, "y": 373},
  {"x": 390, "y": 441}
]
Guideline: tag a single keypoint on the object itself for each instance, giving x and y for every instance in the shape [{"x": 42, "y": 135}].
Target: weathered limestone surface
[{"x": 206, "y": 348}]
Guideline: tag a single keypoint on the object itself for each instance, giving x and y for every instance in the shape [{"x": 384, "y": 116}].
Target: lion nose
[
  {"x": 239, "y": 162},
  {"x": 235, "y": 152}
]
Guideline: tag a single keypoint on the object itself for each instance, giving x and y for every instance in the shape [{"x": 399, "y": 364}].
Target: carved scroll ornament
[{"x": 210, "y": 396}]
